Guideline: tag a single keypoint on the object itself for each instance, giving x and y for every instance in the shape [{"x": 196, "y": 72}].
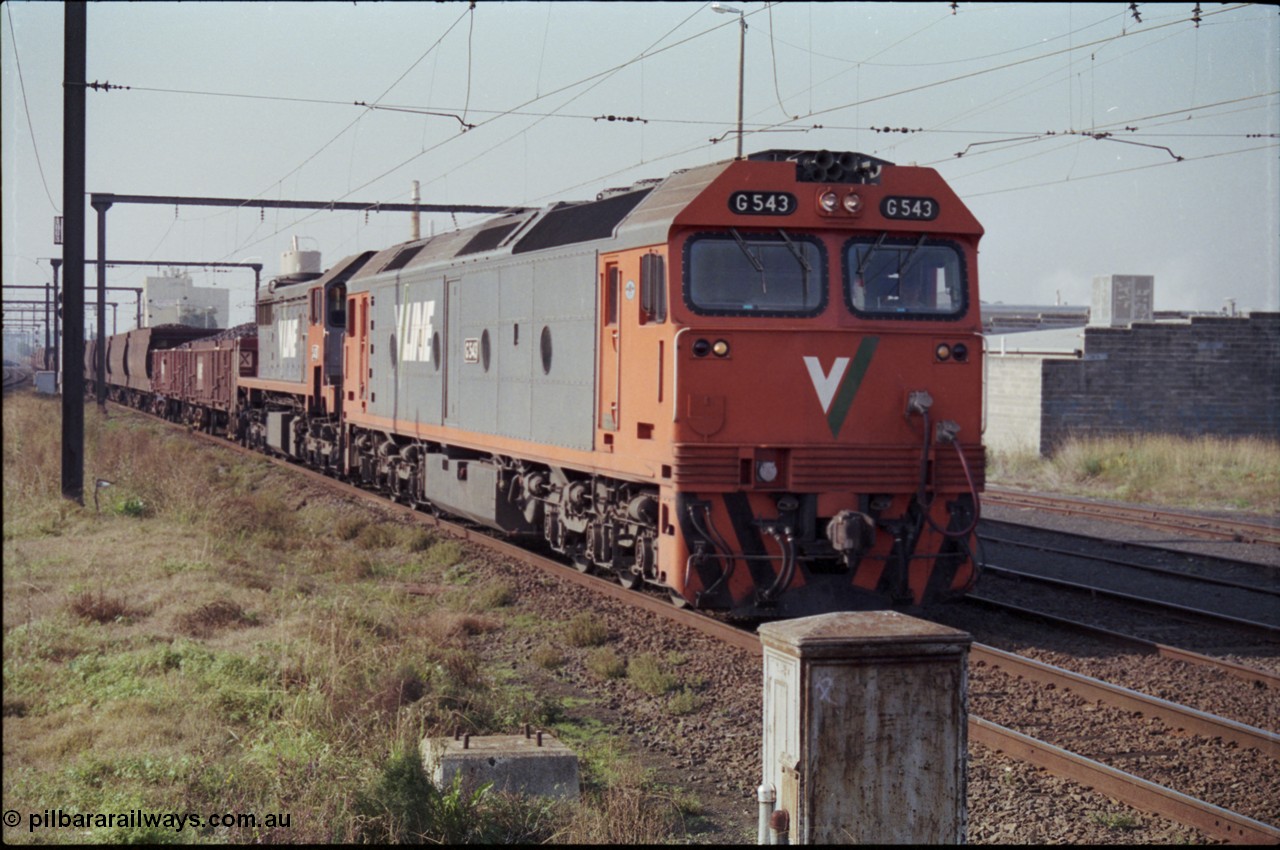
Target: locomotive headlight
[
  {"x": 701, "y": 348},
  {"x": 960, "y": 352},
  {"x": 720, "y": 349},
  {"x": 853, "y": 203},
  {"x": 943, "y": 351},
  {"x": 828, "y": 201},
  {"x": 767, "y": 471}
]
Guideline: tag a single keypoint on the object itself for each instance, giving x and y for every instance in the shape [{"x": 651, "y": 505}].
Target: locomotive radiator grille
[{"x": 815, "y": 468}]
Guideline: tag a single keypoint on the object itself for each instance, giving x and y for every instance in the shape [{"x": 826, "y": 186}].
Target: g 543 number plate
[
  {"x": 909, "y": 209},
  {"x": 762, "y": 203}
]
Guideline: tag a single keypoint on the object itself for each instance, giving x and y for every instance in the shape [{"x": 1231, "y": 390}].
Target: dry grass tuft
[
  {"x": 101, "y": 607},
  {"x": 606, "y": 663},
  {"x": 585, "y": 630},
  {"x": 212, "y": 617},
  {"x": 624, "y": 813},
  {"x": 448, "y": 626}
]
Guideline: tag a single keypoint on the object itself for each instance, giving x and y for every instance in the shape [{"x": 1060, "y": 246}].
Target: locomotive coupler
[{"x": 852, "y": 533}]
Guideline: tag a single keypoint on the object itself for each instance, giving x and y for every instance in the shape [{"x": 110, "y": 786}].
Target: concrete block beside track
[{"x": 534, "y": 765}]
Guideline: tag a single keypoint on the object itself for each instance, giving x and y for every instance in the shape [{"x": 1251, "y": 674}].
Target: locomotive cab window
[
  {"x": 905, "y": 278},
  {"x": 774, "y": 273}
]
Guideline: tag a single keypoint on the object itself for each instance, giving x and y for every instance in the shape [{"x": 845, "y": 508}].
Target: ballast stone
[{"x": 515, "y": 764}]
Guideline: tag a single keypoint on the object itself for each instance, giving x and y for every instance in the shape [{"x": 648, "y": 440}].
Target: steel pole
[
  {"x": 57, "y": 318},
  {"x": 100, "y": 350},
  {"x": 742, "y": 58},
  {"x": 75, "y": 36},
  {"x": 47, "y": 294}
]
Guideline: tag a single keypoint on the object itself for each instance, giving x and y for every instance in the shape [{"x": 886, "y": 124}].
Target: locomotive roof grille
[
  {"x": 402, "y": 259},
  {"x": 488, "y": 239},
  {"x": 585, "y": 222}
]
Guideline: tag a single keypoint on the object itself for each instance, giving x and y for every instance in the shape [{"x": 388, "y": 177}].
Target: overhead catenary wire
[
  {"x": 981, "y": 72},
  {"x": 648, "y": 52},
  {"x": 645, "y": 161},
  {"x": 35, "y": 146}
]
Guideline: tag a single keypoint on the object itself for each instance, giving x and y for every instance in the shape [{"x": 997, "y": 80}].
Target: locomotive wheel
[
  {"x": 627, "y": 577},
  {"x": 580, "y": 561}
]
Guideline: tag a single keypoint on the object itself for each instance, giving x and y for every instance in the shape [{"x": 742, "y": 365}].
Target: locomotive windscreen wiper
[
  {"x": 795, "y": 252},
  {"x": 866, "y": 258},
  {"x": 906, "y": 261},
  {"x": 755, "y": 263},
  {"x": 804, "y": 264}
]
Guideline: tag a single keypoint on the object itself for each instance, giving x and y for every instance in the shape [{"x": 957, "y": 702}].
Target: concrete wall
[
  {"x": 1217, "y": 376},
  {"x": 1013, "y": 388}
]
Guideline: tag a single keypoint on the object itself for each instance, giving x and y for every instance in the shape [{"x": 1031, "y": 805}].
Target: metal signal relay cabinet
[{"x": 865, "y": 728}]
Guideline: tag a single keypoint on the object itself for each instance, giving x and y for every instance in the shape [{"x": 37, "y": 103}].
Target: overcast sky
[{"x": 1087, "y": 142}]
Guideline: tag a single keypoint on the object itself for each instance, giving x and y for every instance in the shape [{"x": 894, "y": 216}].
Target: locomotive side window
[
  {"x": 653, "y": 288},
  {"x": 905, "y": 278},
  {"x": 336, "y": 308},
  {"x": 613, "y": 279},
  {"x": 772, "y": 273}
]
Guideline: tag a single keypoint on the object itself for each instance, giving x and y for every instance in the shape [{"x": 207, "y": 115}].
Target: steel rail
[
  {"x": 1018, "y": 575},
  {"x": 1150, "y": 568},
  {"x": 1186, "y": 523},
  {"x": 1125, "y": 787},
  {"x": 1250, "y": 674},
  {"x": 1181, "y": 718}
]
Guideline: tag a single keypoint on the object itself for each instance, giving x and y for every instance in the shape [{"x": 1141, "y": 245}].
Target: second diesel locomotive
[{"x": 756, "y": 384}]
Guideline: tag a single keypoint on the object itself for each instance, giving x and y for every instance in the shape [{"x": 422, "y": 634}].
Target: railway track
[
  {"x": 1238, "y": 572},
  {"x": 1146, "y": 602},
  {"x": 1209, "y": 819},
  {"x": 1198, "y": 525},
  {"x": 15, "y": 376},
  {"x": 1254, "y": 675}
]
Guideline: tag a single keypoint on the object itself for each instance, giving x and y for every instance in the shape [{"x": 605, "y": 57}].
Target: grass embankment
[
  {"x": 212, "y": 641},
  {"x": 1205, "y": 473}
]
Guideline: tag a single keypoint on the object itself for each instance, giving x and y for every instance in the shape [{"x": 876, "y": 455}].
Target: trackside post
[{"x": 865, "y": 732}]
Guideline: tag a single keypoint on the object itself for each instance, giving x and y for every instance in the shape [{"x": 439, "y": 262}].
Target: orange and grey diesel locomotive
[{"x": 756, "y": 384}]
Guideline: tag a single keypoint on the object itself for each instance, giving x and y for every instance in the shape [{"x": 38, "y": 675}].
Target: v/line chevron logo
[{"x": 837, "y": 388}]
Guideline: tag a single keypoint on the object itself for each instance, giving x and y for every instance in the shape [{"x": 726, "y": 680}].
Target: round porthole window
[
  {"x": 484, "y": 350},
  {"x": 545, "y": 344}
]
